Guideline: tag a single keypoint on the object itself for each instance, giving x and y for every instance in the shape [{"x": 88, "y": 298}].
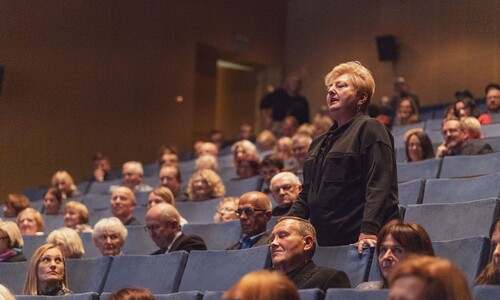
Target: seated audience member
[
  {"x": 123, "y": 204},
  {"x": 169, "y": 159},
  {"x": 418, "y": 146},
  {"x": 285, "y": 188},
  {"x": 254, "y": 211},
  {"x": 163, "y": 226},
  {"x": 163, "y": 195},
  {"x": 473, "y": 128},
  {"x": 170, "y": 177},
  {"x": 491, "y": 273},
  {"x": 386, "y": 120},
  {"x": 47, "y": 273},
  {"x": 289, "y": 126},
  {"x": 102, "y": 168},
  {"x": 492, "y": 92},
  {"x": 466, "y": 107},
  {"x": 284, "y": 150},
  {"x": 292, "y": 247},
  {"x": 109, "y": 235},
  {"x": 68, "y": 241},
  {"x": 426, "y": 277},
  {"x": 407, "y": 112},
  {"x": 133, "y": 173},
  {"x": 167, "y": 149},
  {"x": 52, "y": 202},
  {"x": 263, "y": 285},
  {"x": 207, "y": 162},
  {"x": 205, "y": 185},
  {"x": 218, "y": 139},
  {"x": 132, "y": 294},
  {"x": 5, "y": 294},
  {"x": 271, "y": 165},
  {"x": 226, "y": 210},
  {"x": 243, "y": 149},
  {"x": 14, "y": 204},
  {"x": 30, "y": 222},
  {"x": 456, "y": 141},
  {"x": 11, "y": 242},
  {"x": 449, "y": 113},
  {"x": 398, "y": 239},
  {"x": 247, "y": 167},
  {"x": 246, "y": 133},
  {"x": 402, "y": 90},
  {"x": 208, "y": 148},
  {"x": 300, "y": 145},
  {"x": 266, "y": 140},
  {"x": 76, "y": 216},
  {"x": 64, "y": 183},
  {"x": 321, "y": 124},
  {"x": 306, "y": 128}
]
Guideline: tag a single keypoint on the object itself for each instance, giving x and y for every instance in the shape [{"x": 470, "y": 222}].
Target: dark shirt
[
  {"x": 16, "y": 258},
  {"x": 132, "y": 221},
  {"x": 350, "y": 182},
  {"x": 58, "y": 291},
  {"x": 250, "y": 242},
  {"x": 184, "y": 243},
  {"x": 283, "y": 105},
  {"x": 181, "y": 196},
  {"x": 281, "y": 211},
  {"x": 311, "y": 276},
  {"x": 475, "y": 148}
]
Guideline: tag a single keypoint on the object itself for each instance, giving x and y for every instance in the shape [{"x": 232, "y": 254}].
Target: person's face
[
  {"x": 4, "y": 242},
  {"x": 293, "y": 85},
  {"x": 102, "y": 164},
  {"x": 227, "y": 211},
  {"x": 407, "y": 288},
  {"x": 168, "y": 178},
  {"x": 122, "y": 203},
  {"x": 493, "y": 100},
  {"x": 288, "y": 128},
  {"x": 9, "y": 211},
  {"x": 51, "y": 204},
  {"x": 267, "y": 173},
  {"x": 284, "y": 151},
  {"x": 71, "y": 217},
  {"x": 109, "y": 242},
  {"x": 217, "y": 139},
  {"x": 131, "y": 177},
  {"x": 246, "y": 132},
  {"x": 415, "y": 150},
  {"x": 405, "y": 109},
  {"x": 27, "y": 224},
  {"x": 300, "y": 148},
  {"x": 208, "y": 149},
  {"x": 453, "y": 135},
  {"x": 240, "y": 153},
  {"x": 154, "y": 199},
  {"x": 244, "y": 169},
  {"x": 341, "y": 97},
  {"x": 495, "y": 245},
  {"x": 285, "y": 191},
  {"x": 62, "y": 185},
  {"x": 462, "y": 110},
  {"x": 390, "y": 254},
  {"x": 252, "y": 223},
  {"x": 170, "y": 158},
  {"x": 201, "y": 189},
  {"x": 161, "y": 232},
  {"x": 287, "y": 246},
  {"x": 51, "y": 266}
]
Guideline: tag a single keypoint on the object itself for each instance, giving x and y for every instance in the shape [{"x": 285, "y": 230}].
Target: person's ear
[
  {"x": 269, "y": 214},
  {"x": 308, "y": 243},
  {"x": 362, "y": 99}
]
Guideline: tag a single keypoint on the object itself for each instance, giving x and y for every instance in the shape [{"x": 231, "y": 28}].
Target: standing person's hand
[{"x": 365, "y": 238}]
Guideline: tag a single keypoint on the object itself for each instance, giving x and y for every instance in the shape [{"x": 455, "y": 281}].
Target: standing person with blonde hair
[{"x": 350, "y": 187}]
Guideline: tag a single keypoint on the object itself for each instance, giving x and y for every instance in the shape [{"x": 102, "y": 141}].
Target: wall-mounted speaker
[{"x": 387, "y": 48}]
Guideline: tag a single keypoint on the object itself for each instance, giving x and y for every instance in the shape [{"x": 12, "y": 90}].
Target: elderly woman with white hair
[{"x": 109, "y": 236}]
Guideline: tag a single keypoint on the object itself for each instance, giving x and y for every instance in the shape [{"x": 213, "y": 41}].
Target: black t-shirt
[{"x": 283, "y": 105}]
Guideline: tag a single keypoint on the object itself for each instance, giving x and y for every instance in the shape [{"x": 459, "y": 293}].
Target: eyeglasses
[
  {"x": 249, "y": 211},
  {"x": 285, "y": 187},
  {"x": 154, "y": 227},
  {"x": 226, "y": 210},
  {"x": 46, "y": 260}
]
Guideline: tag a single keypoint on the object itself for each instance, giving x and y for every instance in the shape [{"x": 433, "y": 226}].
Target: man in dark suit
[
  {"x": 456, "y": 141},
  {"x": 254, "y": 211},
  {"x": 162, "y": 224},
  {"x": 293, "y": 243}
]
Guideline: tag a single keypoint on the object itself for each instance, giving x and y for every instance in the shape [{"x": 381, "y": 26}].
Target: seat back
[
  {"x": 13, "y": 276},
  {"x": 201, "y": 212},
  {"x": 53, "y": 222},
  {"x": 455, "y": 220},
  {"x": 138, "y": 241},
  {"x": 425, "y": 169},
  {"x": 160, "y": 274},
  {"x": 491, "y": 130},
  {"x": 354, "y": 294},
  {"x": 347, "y": 259},
  {"x": 470, "y": 254},
  {"x": 31, "y": 243},
  {"x": 486, "y": 292},
  {"x": 311, "y": 294},
  {"x": 87, "y": 275},
  {"x": 220, "y": 269},
  {"x": 402, "y": 129},
  {"x": 82, "y": 296},
  {"x": 236, "y": 188},
  {"x": 91, "y": 251},
  {"x": 97, "y": 202},
  {"x": 411, "y": 192},
  {"x": 470, "y": 165},
  {"x": 217, "y": 236},
  {"x": 446, "y": 190}
]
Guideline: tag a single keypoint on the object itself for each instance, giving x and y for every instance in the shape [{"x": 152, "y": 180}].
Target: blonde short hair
[
  {"x": 64, "y": 175},
  {"x": 165, "y": 193},
  {"x": 14, "y": 234},
  {"x": 81, "y": 209},
  {"x": 68, "y": 239},
  {"x": 40, "y": 223}
]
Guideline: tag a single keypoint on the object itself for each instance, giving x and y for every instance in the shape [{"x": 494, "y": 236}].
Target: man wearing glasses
[
  {"x": 254, "y": 211},
  {"x": 162, "y": 224},
  {"x": 285, "y": 188}
]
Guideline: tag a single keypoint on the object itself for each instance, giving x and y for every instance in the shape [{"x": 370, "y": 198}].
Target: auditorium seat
[
  {"x": 347, "y": 259},
  {"x": 35, "y": 193},
  {"x": 486, "y": 292},
  {"x": 141, "y": 198},
  {"x": 455, "y": 220},
  {"x": 494, "y": 142},
  {"x": 82, "y": 296},
  {"x": 31, "y": 243},
  {"x": 401, "y": 129},
  {"x": 13, "y": 275},
  {"x": 470, "y": 165},
  {"x": 425, "y": 169},
  {"x": 146, "y": 271},
  {"x": 491, "y": 130},
  {"x": 95, "y": 216},
  {"x": 219, "y": 269},
  {"x": 217, "y": 236},
  {"x": 151, "y": 170},
  {"x": 96, "y": 202},
  {"x": 200, "y": 212},
  {"x": 433, "y": 125},
  {"x": 446, "y": 190},
  {"x": 91, "y": 251},
  {"x": 353, "y": 294},
  {"x": 138, "y": 241},
  {"x": 53, "y": 222},
  {"x": 237, "y": 187},
  {"x": 191, "y": 295},
  {"x": 103, "y": 187},
  {"x": 410, "y": 192},
  {"x": 87, "y": 275},
  {"x": 470, "y": 254},
  {"x": 311, "y": 294}
]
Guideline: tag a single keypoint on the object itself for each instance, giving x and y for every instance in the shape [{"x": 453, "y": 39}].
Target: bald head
[
  {"x": 254, "y": 211},
  {"x": 162, "y": 223},
  {"x": 123, "y": 203},
  {"x": 257, "y": 200}
]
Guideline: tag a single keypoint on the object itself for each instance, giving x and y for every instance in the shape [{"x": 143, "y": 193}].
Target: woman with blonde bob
[
  {"x": 11, "y": 242},
  {"x": 426, "y": 277},
  {"x": 30, "y": 222},
  {"x": 64, "y": 183},
  {"x": 243, "y": 149},
  {"x": 68, "y": 241},
  {"x": 205, "y": 185},
  {"x": 263, "y": 285},
  {"x": 76, "y": 216},
  {"x": 47, "y": 273}
]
